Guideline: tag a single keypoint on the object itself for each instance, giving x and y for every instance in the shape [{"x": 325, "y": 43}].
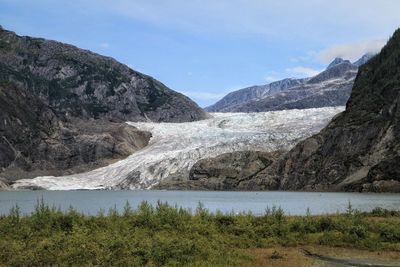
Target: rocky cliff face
[
  {"x": 332, "y": 87},
  {"x": 79, "y": 83},
  {"x": 34, "y": 141},
  {"x": 228, "y": 171},
  {"x": 358, "y": 151},
  {"x": 4, "y": 185},
  {"x": 62, "y": 108}
]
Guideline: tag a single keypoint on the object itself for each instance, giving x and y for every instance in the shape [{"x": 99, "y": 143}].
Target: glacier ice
[{"x": 177, "y": 146}]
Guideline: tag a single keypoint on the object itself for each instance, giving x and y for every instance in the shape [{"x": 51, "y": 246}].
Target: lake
[{"x": 294, "y": 203}]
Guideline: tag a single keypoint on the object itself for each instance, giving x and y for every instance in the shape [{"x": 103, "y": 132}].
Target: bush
[
  {"x": 165, "y": 235},
  {"x": 389, "y": 233},
  {"x": 276, "y": 255}
]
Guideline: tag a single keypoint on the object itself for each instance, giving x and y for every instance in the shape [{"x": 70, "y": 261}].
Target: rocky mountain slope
[
  {"x": 35, "y": 141},
  {"x": 358, "y": 151},
  {"x": 237, "y": 98},
  {"x": 332, "y": 87},
  {"x": 228, "y": 171},
  {"x": 62, "y": 108},
  {"x": 79, "y": 83}
]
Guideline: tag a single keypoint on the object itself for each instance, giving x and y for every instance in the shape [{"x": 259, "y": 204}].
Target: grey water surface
[{"x": 293, "y": 203}]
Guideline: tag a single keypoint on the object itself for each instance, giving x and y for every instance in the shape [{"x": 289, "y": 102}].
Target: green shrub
[
  {"x": 389, "y": 233},
  {"x": 276, "y": 255},
  {"x": 164, "y": 235}
]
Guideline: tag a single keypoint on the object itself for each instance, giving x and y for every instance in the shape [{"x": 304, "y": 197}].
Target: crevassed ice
[{"x": 177, "y": 146}]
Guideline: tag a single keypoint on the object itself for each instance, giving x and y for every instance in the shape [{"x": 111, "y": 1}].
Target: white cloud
[
  {"x": 270, "y": 78},
  {"x": 105, "y": 45},
  {"x": 351, "y": 51},
  {"x": 312, "y": 20},
  {"x": 269, "y": 18},
  {"x": 303, "y": 71},
  {"x": 198, "y": 95}
]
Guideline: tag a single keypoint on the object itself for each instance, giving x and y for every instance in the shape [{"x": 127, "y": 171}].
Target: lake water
[{"x": 294, "y": 203}]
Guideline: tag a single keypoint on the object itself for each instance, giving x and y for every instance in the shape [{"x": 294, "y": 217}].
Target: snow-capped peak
[
  {"x": 337, "y": 61},
  {"x": 364, "y": 59}
]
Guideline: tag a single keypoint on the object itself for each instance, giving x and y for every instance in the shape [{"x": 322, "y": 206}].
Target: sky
[{"x": 208, "y": 48}]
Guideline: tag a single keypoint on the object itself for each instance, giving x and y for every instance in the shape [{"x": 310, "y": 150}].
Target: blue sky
[{"x": 208, "y": 48}]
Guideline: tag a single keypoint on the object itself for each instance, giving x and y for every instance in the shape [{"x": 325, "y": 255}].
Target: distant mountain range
[{"x": 331, "y": 87}]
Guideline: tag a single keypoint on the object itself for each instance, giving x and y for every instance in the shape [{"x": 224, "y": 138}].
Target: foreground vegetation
[{"x": 165, "y": 235}]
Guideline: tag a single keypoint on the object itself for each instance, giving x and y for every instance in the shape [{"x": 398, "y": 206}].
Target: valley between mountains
[
  {"x": 175, "y": 147},
  {"x": 72, "y": 119}
]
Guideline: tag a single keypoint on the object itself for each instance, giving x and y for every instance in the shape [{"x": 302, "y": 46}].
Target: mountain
[
  {"x": 359, "y": 150},
  {"x": 251, "y": 93},
  {"x": 331, "y": 87},
  {"x": 79, "y": 83},
  {"x": 337, "y": 61},
  {"x": 364, "y": 59},
  {"x": 62, "y": 108},
  {"x": 35, "y": 141}
]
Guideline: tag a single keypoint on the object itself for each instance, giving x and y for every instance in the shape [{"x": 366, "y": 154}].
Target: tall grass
[{"x": 163, "y": 235}]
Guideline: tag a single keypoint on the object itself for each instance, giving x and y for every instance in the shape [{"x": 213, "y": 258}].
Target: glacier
[{"x": 177, "y": 146}]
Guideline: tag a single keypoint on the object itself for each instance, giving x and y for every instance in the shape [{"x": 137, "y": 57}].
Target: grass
[{"x": 163, "y": 235}]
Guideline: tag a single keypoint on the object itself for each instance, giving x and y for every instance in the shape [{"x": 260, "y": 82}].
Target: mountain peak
[
  {"x": 364, "y": 59},
  {"x": 337, "y": 61}
]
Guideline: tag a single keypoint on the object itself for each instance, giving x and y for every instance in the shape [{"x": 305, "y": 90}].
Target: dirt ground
[{"x": 296, "y": 257}]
